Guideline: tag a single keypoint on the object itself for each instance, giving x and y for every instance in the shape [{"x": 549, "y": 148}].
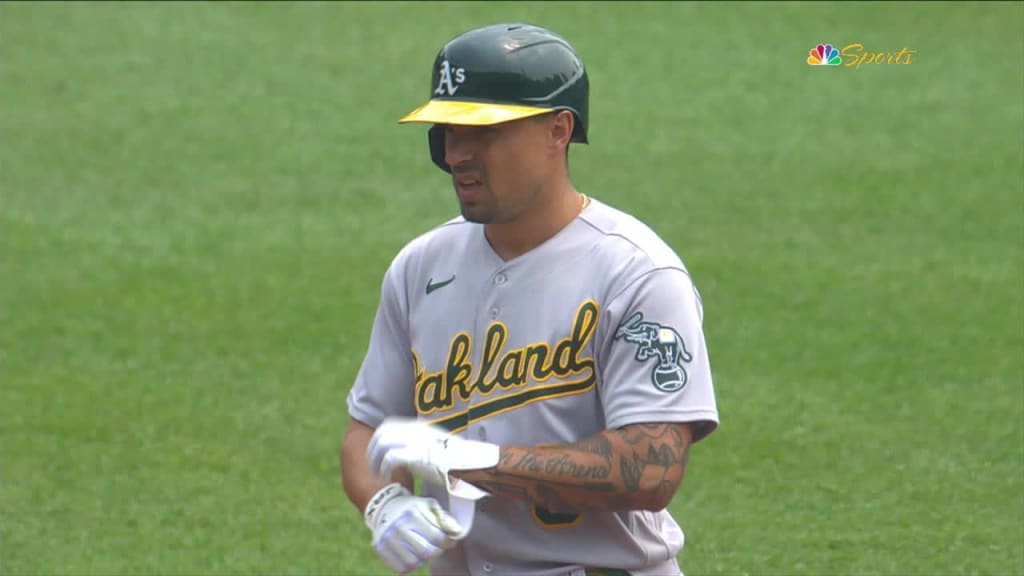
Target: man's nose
[{"x": 457, "y": 148}]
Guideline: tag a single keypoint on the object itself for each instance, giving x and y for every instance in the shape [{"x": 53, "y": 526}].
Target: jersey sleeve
[
  {"x": 653, "y": 357},
  {"x": 384, "y": 383}
]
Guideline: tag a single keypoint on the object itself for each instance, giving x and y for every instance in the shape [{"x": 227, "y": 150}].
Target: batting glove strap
[{"x": 382, "y": 497}]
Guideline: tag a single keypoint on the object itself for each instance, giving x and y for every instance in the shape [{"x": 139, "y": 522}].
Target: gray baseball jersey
[{"x": 598, "y": 327}]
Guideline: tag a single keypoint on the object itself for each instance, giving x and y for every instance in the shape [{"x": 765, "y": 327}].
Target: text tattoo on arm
[{"x": 635, "y": 467}]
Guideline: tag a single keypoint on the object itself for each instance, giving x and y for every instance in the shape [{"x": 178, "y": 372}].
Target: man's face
[{"x": 497, "y": 170}]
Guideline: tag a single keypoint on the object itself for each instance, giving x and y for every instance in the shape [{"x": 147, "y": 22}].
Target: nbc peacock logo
[{"x": 824, "y": 55}]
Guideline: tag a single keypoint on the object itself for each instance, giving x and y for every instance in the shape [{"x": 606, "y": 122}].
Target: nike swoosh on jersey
[{"x": 431, "y": 285}]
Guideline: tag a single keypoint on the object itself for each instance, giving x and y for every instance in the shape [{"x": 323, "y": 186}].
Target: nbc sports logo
[{"x": 824, "y": 55}]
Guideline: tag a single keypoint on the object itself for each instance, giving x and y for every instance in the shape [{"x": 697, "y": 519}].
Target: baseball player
[{"x": 539, "y": 361}]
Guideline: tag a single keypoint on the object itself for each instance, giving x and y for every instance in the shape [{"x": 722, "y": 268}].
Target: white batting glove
[
  {"x": 427, "y": 451},
  {"x": 408, "y": 531}
]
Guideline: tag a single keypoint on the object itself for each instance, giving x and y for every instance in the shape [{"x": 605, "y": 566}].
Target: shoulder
[
  {"x": 408, "y": 263},
  {"x": 436, "y": 241},
  {"x": 623, "y": 237}
]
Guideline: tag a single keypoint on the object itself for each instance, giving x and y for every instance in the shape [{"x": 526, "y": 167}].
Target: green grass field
[{"x": 197, "y": 203}]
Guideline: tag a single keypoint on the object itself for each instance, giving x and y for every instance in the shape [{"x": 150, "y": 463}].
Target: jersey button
[
  {"x": 488, "y": 567},
  {"x": 481, "y": 433},
  {"x": 500, "y": 279},
  {"x": 494, "y": 313}
]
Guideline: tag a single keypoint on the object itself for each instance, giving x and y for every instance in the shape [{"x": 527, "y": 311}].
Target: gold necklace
[{"x": 584, "y": 201}]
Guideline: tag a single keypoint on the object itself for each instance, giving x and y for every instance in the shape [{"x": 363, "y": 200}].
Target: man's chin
[{"x": 474, "y": 214}]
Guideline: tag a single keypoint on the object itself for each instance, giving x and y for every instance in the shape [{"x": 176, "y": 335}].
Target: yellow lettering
[
  {"x": 852, "y": 51},
  {"x": 459, "y": 369},
  {"x": 513, "y": 368},
  {"x": 510, "y": 368},
  {"x": 563, "y": 357},
  {"x": 855, "y": 55},
  {"x": 582, "y": 330},
  {"x": 493, "y": 342},
  {"x": 429, "y": 388},
  {"x": 537, "y": 361}
]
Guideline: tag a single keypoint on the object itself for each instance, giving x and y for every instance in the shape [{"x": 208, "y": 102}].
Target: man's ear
[{"x": 561, "y": 128}]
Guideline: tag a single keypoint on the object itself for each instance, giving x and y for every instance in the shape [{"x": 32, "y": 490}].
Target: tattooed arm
[{"x": 639, "y": 466}]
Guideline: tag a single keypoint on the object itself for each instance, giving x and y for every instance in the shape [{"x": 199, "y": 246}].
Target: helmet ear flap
[
  {"x": 579, "y": 131},
  {"x": 435, "y": 139}
]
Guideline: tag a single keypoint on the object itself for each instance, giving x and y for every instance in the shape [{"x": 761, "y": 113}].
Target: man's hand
[
  {"x": 409, "y": 530},
  {"x": 427, "y": 451}
]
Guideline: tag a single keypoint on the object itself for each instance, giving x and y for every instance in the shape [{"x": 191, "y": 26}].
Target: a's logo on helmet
[{"x": 450, "y": 79}]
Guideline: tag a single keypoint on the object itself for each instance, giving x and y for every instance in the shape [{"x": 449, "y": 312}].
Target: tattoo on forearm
[
  {"x": 560, "y": 465},
  {"x": 596, "y": 445},
  {"x": 631, "y": 472},
  {"x": 637, "y": 465},
  {"x": 658, "y": 471},
  {"x": 505, "y": 458}
]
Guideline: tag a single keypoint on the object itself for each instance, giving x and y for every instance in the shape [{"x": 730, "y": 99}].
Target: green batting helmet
[{"x": 500, "y": 73}]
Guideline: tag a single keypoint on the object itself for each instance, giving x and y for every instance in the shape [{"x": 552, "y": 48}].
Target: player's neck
[{"x": 512, "y": 239}]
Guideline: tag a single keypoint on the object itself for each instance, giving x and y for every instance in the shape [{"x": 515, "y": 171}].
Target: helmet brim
[{"x": 468, "y": 113}]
